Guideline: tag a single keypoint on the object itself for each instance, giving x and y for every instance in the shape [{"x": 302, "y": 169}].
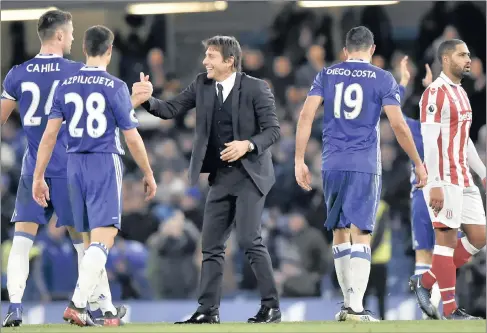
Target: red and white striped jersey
[{"x": 447, "y": 103}]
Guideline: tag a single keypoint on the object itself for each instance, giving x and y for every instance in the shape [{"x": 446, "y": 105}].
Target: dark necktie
[{"x": 220, "y": 93}]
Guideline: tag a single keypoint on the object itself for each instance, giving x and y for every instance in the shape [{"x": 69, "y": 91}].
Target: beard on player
[{"x": 460, "y": 70}]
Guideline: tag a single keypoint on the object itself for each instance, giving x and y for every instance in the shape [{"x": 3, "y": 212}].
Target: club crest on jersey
[
  {"x": 431, "y": 108},
  {"x": 449, "y": 214},
  {"x": 133, "y": 117}
]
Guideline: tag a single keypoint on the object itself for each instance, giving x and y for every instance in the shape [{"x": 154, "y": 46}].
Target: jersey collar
[
  {"x": 47, "y": 56},
  {"x": 93, "y": 68},
  {"x": 355, "y": 60},
  {"x": 447, "y": 80}
]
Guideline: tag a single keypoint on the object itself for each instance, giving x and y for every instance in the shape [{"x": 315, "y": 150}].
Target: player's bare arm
[
  {"x": 8, "y": 106},
  {"x": 137, "y": 149},
  {"x": 405, "y": 139},
  {"x": 303, "y": 132},
  {"x": 40, "y": 191},
  {"x": 474, "y": 161}
]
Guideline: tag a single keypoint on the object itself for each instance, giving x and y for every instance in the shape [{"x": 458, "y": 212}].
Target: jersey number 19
[{"x": 354, "y": 103}]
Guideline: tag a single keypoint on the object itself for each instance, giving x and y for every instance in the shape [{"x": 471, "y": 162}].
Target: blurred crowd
[{"x": 157, "y": 254}]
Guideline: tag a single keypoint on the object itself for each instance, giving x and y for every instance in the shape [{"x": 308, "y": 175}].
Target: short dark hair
[
  {"x": 50, "y": 21},
  {"x": 447, "y": 46},
  {"x": 229, "y": 47},
  {"x": 97, "y": 40},
  {"x": 359, "y": 39}
]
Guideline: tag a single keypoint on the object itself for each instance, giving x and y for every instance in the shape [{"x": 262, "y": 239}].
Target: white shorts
[{"x": 462, "y": 205}]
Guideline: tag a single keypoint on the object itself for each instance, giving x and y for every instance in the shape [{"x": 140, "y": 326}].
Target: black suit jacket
[{"x": 253, "y": 118}]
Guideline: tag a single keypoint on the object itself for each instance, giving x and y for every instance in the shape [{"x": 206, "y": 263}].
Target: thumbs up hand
[
  {"x": 141, "y": 91},
  {"x": 144, "y": 78}
]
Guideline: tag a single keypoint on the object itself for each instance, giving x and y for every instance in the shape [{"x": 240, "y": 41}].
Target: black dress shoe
[
  {"x": 266, "y": 315},
  {"x": 201, "y": 318}
]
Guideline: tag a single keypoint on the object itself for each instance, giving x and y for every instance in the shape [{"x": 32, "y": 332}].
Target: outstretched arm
[{"x": 185, "y": 101}]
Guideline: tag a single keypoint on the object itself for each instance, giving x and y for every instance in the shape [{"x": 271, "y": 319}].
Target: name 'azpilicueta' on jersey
[{"x": 89, "y": 80}]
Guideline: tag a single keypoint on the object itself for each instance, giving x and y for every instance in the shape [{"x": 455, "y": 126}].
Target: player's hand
[
  {"x": 405, "y": 75},
  {"x": 142, "y": 89},
  {"x": 234, "y": 150},
  {"x": 428, "y": 78},
  {"x": 421, "y": 176},
  {"x": 40, "y": 192},
  {"x": 303, "y": 176},
  {"x": 150, "y": 187},
  {"x": 436, "y": 199},
  {"x": 484, "y": 183}
]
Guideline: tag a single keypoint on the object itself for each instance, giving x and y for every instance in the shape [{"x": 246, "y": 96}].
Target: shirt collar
[
  {"x": 93, "y": 68},
  {"x": 356, "y": 60},
  {"x": 47, "y": 56},
  {"x": 447, "y": 80},
  {"x": 229, "y": 82}
]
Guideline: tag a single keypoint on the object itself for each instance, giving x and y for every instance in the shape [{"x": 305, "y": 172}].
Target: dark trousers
[
  {"x": 233, "y": 197},
  {"x": 378, "y": 285}
]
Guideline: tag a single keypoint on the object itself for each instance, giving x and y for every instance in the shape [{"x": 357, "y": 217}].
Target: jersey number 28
[
  {"x": 355, "y": 103},
  {"x": 95, "y": 107}
]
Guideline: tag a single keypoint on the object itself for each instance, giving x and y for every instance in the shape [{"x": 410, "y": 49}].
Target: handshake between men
[
  {"x": 141, "y": 91},
  {"x": 234, "y": 150}
]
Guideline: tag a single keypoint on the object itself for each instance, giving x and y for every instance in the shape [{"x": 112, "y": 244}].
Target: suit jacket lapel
[
  {"x": 209, "y": 103},
  {"x": 235, "y": 103}
]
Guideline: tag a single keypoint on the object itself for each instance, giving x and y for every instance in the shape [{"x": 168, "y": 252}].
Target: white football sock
[
  {"x": 360, "y": 258},
  {"x": 18, "y": 265},
  {"x": 92, "y": 265},
  {"x": 102, "y": 297},
  {"x": 80, "y": 250},
  {"x": 420, "y": 268},
  {"x": 341, "y": 255}
]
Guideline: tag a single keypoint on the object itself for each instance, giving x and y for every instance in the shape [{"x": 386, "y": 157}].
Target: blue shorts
[
  {"x": 351, "y": 198},
  {"x": 95, "y": 190},
  {"x": 27, "y": 210},
  {"x": 422, "y": 229}
]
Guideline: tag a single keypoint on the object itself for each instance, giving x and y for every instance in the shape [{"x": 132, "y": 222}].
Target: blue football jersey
[
  {"x": 95, "y": 105},
  {"x": 32, "y": 85},
  {"x": 353, "y": 93}
]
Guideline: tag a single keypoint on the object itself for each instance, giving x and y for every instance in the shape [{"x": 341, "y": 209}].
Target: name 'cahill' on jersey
[
  {"x": 353, "y": 93},
  {"x": 95, "y": 105},
  {"x": 32, "y": 85}
]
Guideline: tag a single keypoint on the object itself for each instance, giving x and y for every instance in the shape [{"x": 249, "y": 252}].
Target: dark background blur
[{"x": 157, "y": 255}]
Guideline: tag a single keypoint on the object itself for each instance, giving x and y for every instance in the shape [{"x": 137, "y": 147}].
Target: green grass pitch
[{"x": 420, "y": 326}]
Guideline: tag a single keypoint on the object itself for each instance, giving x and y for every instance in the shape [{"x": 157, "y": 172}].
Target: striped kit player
[{"x": 454, "y": 201}]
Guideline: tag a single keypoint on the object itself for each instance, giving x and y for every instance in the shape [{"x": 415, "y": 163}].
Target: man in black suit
[{"x": 236, "y": 124}]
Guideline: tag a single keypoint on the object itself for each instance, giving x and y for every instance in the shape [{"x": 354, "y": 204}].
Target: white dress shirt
[{"x": 227, "y": 84}]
